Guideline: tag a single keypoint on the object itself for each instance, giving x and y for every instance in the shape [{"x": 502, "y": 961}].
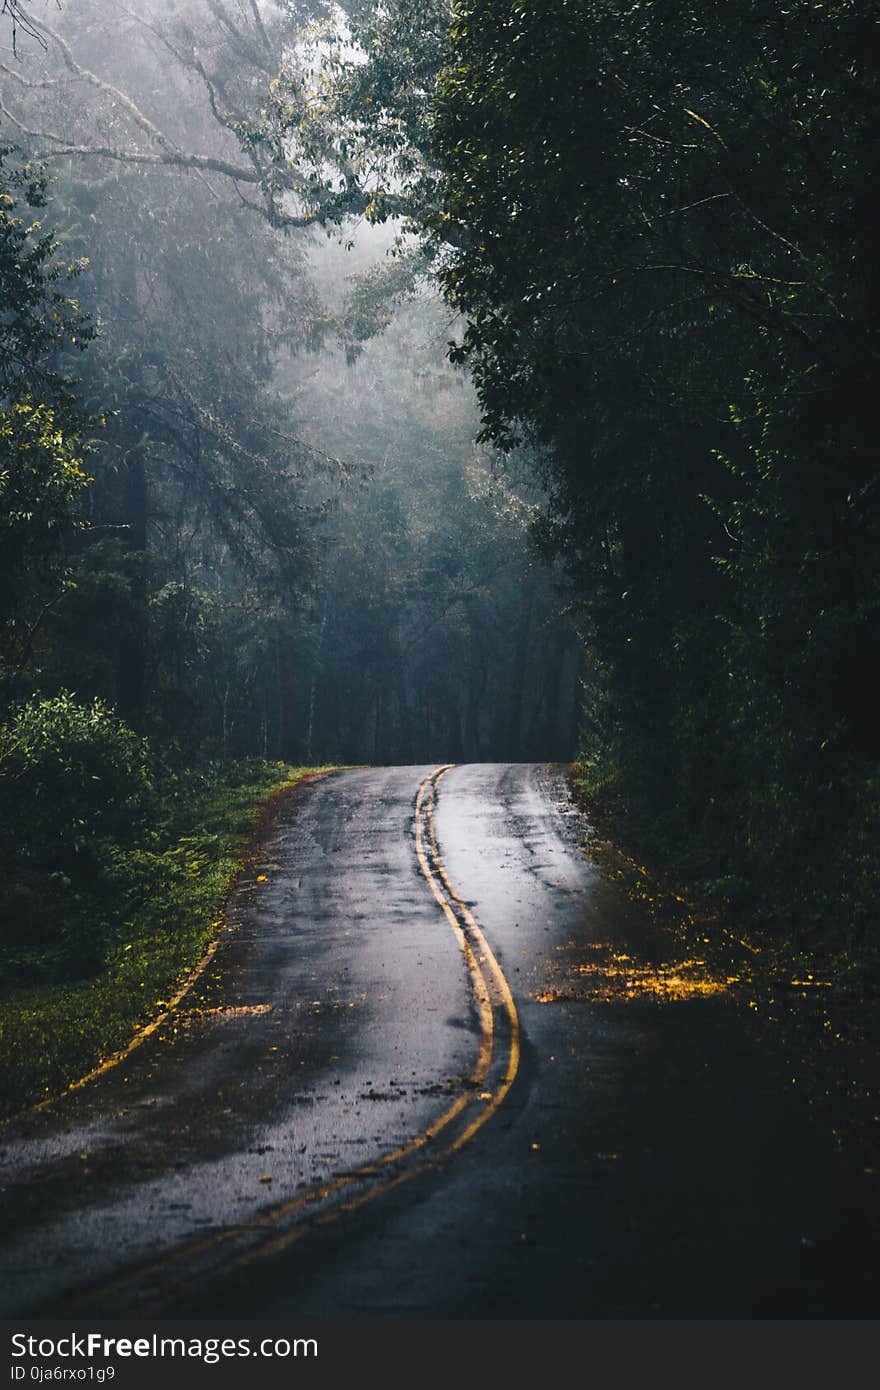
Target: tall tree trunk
[
  {"x": 518, "y": 681},
  {"x": 379, "y": 725},
  {"x": 131, "y": 669},
  {"x": 287, "y": 742},
  {"x": 316, "y": 669},
  {"x": 476, "y": 692}
]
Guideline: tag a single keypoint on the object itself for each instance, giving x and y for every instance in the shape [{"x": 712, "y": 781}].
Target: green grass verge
[{"x": 171, "y": 897}]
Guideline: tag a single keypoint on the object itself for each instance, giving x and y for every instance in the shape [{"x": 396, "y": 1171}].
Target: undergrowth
[{"x": 162, "y": 899}]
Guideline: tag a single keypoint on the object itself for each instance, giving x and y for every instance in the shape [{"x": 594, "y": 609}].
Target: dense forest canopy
[
  {"x": 666, "y": 263},
  {"x": 252, "y": 510}
]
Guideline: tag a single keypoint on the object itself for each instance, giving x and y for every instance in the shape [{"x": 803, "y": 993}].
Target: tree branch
[
  {"x": 34, "y": 86},
  {"x": 168, "y": 159},
  {"x": 260, "y": 26},
  {"x": 86, "y": 75},
  {"x": 274, "y": 177},
  {"x": 20, "y": 20}
]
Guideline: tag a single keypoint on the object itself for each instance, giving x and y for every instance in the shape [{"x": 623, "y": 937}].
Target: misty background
[{"x": 295, "y": 547}]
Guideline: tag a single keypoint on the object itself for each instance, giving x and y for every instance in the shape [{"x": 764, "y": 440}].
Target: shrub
[{"x": 75, "y": 783}]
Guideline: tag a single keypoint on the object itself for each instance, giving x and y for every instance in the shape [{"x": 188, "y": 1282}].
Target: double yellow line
[
  {"x": 477, "y": 952},
  {"x": 492, "y": 996}
]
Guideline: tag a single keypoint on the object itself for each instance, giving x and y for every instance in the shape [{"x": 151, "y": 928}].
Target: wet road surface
[{"x": 409, "y": 1084}]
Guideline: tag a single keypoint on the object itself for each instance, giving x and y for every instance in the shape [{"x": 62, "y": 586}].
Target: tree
[
  {"x": 260, "y": 137},
  {"x": 42, "y": 476},
  {"x": 658, "y": 224},
  {"x": 436, "y": 627},
  {"x": 198, "y": 518}
]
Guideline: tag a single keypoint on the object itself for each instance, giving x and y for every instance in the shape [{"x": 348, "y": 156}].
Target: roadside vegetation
[
  {"x": 101, "y": 920},
  {"x": 121, "y": 824}
]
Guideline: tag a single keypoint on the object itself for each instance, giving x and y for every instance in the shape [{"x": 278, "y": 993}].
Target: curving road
[{"x": 410, "y": 1083}]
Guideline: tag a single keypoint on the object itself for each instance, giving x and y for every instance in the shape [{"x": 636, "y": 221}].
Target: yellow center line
[
  {"x": 434, "y": 874},
  {"x": 481, "y": 994},
  {"x": 514, "y": 1047}
]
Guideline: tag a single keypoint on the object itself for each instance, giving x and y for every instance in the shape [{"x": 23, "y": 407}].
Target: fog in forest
[{"x": 295, "y": 548}]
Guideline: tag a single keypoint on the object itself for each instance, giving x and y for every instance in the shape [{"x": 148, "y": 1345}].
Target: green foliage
[
  {"x": 659, "y": 224},
  {"x": 39, "y": 315},
  {"x": 75, "y": 784},
  {"x": 41, "y": 473},
  {"x": 166, "y": 894},
  {"x": 196, "y": 499},
  {"x": 41, "y": 477},
  {"x": 357, "y": 116},
  {"x": 77, "y": 774}
]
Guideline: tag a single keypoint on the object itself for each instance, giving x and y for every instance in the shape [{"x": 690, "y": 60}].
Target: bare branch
[
  {"x": 172, "y": 157},
  {"x": 157, "y": 33},
  {"x": 125, "y": 101},
  {"x": 36, "y": 85},
  {"x": 220, "y": 14},
  {"x": 695, "y": 116},
  {"x": 260, "y": 26},
  {"x": 665, "y": 213},
  {"x": 192, "y": 63},
  {"x": 21, "y": 21},
  {"x": 241, "y": 39}
]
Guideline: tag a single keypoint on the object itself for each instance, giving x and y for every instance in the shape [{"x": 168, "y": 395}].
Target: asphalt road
[{"x": 437, "y": 1067}]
